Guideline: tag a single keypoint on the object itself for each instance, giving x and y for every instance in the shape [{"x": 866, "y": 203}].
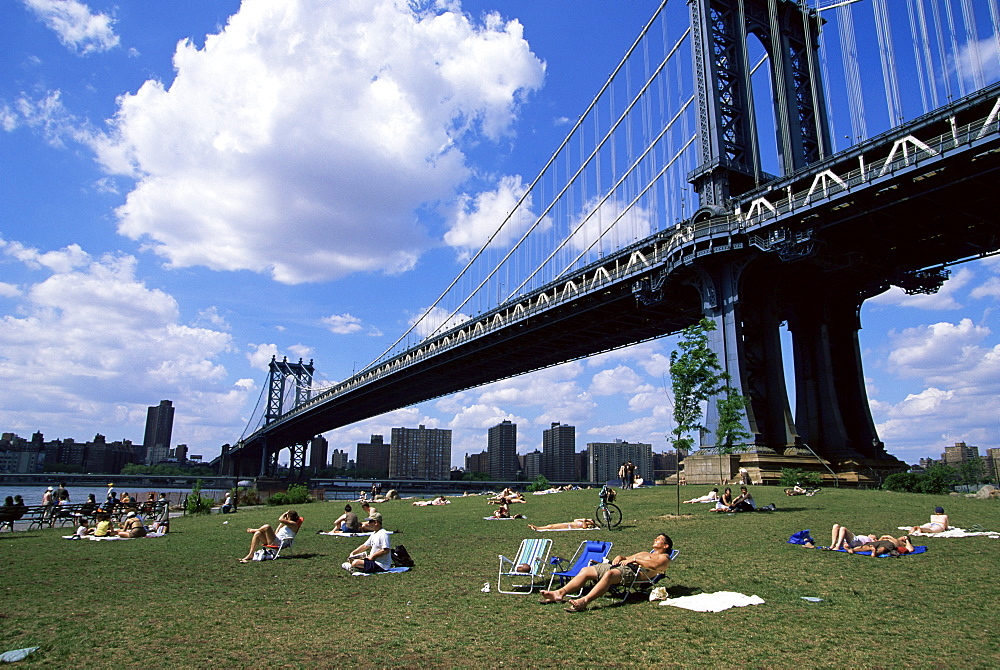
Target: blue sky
[{"x": 189, "y": 188}]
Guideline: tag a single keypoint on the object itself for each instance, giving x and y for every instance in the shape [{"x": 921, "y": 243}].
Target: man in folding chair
[{"x": 646, "y": 564}]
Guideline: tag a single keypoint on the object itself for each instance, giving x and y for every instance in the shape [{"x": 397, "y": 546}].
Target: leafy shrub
[
  {"x": 541, "y": 483},
  {"x": 793, "y": 476},
  {"x": 195, "y": 503},
  {"x": 247, "y": 496},
  {"x": 902, "y": 482},
  {"x": 297, "y": 494}
]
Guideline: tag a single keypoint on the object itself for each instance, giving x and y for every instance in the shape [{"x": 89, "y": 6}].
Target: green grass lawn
[{"x": 184, "y": 601}]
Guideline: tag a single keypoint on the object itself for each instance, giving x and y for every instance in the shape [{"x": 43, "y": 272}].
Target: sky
[{"x": 189, "y": 188}]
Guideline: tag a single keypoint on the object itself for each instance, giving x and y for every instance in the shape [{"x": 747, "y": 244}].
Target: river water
[{"x": 32, "y": 494}]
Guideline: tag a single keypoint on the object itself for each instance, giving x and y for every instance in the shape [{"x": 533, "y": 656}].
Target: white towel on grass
[
  {"x": 953, "y": 532},
  {"x": 713, "y": 602}
]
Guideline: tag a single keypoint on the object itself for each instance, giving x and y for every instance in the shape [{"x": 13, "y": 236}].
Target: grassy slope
[{"x": 184, "y": 601}]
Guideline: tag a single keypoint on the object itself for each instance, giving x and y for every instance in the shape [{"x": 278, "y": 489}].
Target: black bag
[{"x": 401, "y": 557}]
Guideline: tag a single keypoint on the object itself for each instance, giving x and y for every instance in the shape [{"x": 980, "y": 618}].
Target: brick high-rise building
[
  {"x": 959, "y": 453},
  {"x": 420, "y": 453},
  {"x": 159, "y": 426},
  {"x": 477, "y": 462},
  {"x": 373, "y": 456},
  {"x": 502, "y": 450},
  {"x": 606, "y": 457},
  {"x": 558, "y": 453}
]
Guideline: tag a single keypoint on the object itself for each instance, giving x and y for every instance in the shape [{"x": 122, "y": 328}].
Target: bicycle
[{"x": 607, "y": 513}]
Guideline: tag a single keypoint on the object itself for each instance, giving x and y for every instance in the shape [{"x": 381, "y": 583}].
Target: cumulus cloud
[
  {"x": 945, "y": 354},
  {"x": 610, "y": 225},
  {"x": 322, "y": 125},
  {"x": 478, "y": 217},
  {"x": 260, "y": 355},
  {"x": 90, "y": 340},
  {"x": 621, "y": 379},
  {"x": 436, "y": 320},
  {"x": 342, "y": 324},
  {"x": 77, "y": 28}
]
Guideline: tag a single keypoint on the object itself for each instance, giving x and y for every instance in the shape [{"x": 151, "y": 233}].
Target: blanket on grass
[
  {"x": 713, "y": 602},
  {"x": 916, "y": 550},
  {"x": 337, "y": 533},
  {"x": 542, "y": 530},
  {"x": 503, "y": 518},
  {"x": 112, "y": 537},
  {"x": 954, "y": 532},
  {"x": 384, "y": 572}
]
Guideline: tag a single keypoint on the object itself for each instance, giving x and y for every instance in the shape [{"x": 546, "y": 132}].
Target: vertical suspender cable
[
  {"x": 995, "y": 22},
  {"x": 942, "y": 53},
  {"x": 830, "y": 116},
  {"x": 956, "y": 55},
  {"x": 923, "y": 43},
  {"x": 813, "y": 91},
  {"x": 972, "y": 36},
  {"x": 849, "y": 54},
  {"x": 888, "y": 57},
  {"x": 781, "y": 90}
]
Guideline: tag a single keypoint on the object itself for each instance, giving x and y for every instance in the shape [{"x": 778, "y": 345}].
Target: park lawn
[{"x": 183, "y": 601}]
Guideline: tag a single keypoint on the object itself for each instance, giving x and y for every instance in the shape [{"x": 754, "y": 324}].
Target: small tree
[
  {"x": 729, "y": 428},
  {"x": 695, "y": 376},
  {"x": 541, "y": 483}
]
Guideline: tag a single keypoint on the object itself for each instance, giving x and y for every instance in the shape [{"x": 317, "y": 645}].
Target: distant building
[
  {"x": 605, "y": 458},
  {"x": 373, "y": 456},
  {"x": 558, "y": 452},
  {"x": 420, "y": 453},
  {"x": 338, "y": 459},
  {"x": 318, "y": 449},
  {"x": 502, "y": 451},
  {"x": 959, "y": 453},
  {"x": 993, "y": 464},
  {"x": 477, "y": 462},
  {"x": 664, "y": 464},
  {"x": 531, "y": 465},
  {"x": 159, "y": 426}
]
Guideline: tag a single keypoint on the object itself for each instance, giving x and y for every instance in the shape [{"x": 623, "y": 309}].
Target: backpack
[{"x": 401, "y": 557}]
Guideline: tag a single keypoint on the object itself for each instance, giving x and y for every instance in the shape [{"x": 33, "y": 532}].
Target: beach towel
[
  {"x": 112, "y": 537},
  {"x": 954, "y": 532},
  {"x": 542, "y": 530},
  {"x": 916, "y": 550},
  {"x": 713, "y": 602},
  {"x": 384, "y": 572},
  {"x": 504, "y": 518},
  {"x": 337, "y": 533}
]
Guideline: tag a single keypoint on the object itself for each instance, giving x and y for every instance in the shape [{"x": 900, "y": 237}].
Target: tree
[
  {"x": 729, "y": 428},
  {"x": 695, "y": 376},
  {"x": 972, "y": 470}
]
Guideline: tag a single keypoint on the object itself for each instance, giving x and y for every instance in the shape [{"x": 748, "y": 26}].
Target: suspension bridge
[{"x": 734, "y": 166}]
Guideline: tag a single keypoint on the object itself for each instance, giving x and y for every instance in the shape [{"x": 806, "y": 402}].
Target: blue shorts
[{"x": 372, "y": 566}]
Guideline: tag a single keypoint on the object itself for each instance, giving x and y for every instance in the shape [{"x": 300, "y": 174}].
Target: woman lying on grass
[{"x": 575, "y": 524}]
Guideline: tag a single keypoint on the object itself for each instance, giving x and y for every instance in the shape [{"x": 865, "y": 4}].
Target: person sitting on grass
[
  {"x": 367, "y": 510},
  {"x": 744, "y": 502},
  {"x": 132, "y": 527},
  {"x": 937, "y": 524},
  {"x": 887, "y": 544},
  {"x": 724, "y": 502},
  {"x": 288, "y": 525},
  {"x": 103, "y": 527},
  {"x": 375, "y": 554},
  {"x": 575, "y": 524},
  {"x": 347, "y": 522},
  {"x": 710, "y": 497},
  {"x": 647, "y": 564}
]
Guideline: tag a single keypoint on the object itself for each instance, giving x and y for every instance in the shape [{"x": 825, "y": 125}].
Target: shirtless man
[
  {"x": 575, "y": 524},
  {"x": 605, "y": 575}
]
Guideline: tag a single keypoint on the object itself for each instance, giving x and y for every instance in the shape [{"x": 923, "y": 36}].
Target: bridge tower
[
  {"x": 301, "y": 374},
  {"x": 751, "y": 294}
]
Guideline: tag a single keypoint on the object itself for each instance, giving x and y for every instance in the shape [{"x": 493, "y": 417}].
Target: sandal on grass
[{"x": 576, "y": 606}]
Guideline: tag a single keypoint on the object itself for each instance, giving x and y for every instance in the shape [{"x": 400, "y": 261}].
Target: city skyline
[{"x": 169, "y": 227}]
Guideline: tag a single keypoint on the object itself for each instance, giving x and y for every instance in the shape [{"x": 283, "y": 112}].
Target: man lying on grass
[{"x": 647, "y": 564}]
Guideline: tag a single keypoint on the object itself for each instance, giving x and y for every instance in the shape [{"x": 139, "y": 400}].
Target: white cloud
[
  {"x": 621, "y": 379},
  {"x": 436, "y": 320},
  {"x": 76, "y": 27},
  {"x": 323, "y": 125},
  {"x": 609, "y": 225},
  {"x": 92, "y": 345},
  {"x": 477, "y": 218},
  {"x": 984, "y": 53},
  {"x": 260, "y": 355},
  {"x": 342, "y": 324},
  {"x": 9, "y": 290},
  {"x": 945, "y": 354}
]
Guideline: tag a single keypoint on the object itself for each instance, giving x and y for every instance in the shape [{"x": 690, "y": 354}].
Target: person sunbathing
[
  {"x": 132, "y": 527},
  {"x": 885, "y": 545},
  {"x": 710, "y": 497},
  {"x": 842, "y": 538},
  {"x": 796, "y": 490},
  {"x": 288, "y": 525},
  {"x": 646, "y": 564},
  {"x": 937, "y": 524},
  {"x": 575, "y": 524},
  {"x": 440, "y": 500}
]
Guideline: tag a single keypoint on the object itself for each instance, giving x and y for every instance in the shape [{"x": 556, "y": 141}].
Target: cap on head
[
  {"x": 376, "y": 517},
  {"x": 939, "y": 510},
  {"x": 130, "y": 515}
]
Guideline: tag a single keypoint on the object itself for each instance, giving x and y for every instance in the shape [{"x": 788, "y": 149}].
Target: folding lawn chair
[
  {"x": 534, "y": 554},
  {"x": 272, "y": 551},
  {"x": 588, "y": 553},
  {"x": 640, "y": 584}
]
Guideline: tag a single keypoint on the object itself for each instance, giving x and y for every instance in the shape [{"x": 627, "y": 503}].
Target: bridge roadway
[{"x": 922, "y": 195}]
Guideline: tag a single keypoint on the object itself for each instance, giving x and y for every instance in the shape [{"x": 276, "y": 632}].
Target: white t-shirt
[{"x": 380, "y": 540}]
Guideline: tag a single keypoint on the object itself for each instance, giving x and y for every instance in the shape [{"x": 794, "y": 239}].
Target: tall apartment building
[
  {"x": 993, "y": 464},
  {"x": 420, "y": 453},
  {"x": 959, "y": 453},
  {"x": 558, "y": 452},
  {"x": 338, "y": 459},
  {"x": 373, "y": 456},
  {"x": 502, "y": 450},
  {"x": 606, "y": 457},
  {"x": 477, "y": 462},
  {"x": 159, "y": 426},
  {"x": 319, "y": 448},
  {"x": 531, "y": 465}
]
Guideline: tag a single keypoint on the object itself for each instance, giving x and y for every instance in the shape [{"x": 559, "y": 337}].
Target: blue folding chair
[{"x": 588, "y": 553}]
